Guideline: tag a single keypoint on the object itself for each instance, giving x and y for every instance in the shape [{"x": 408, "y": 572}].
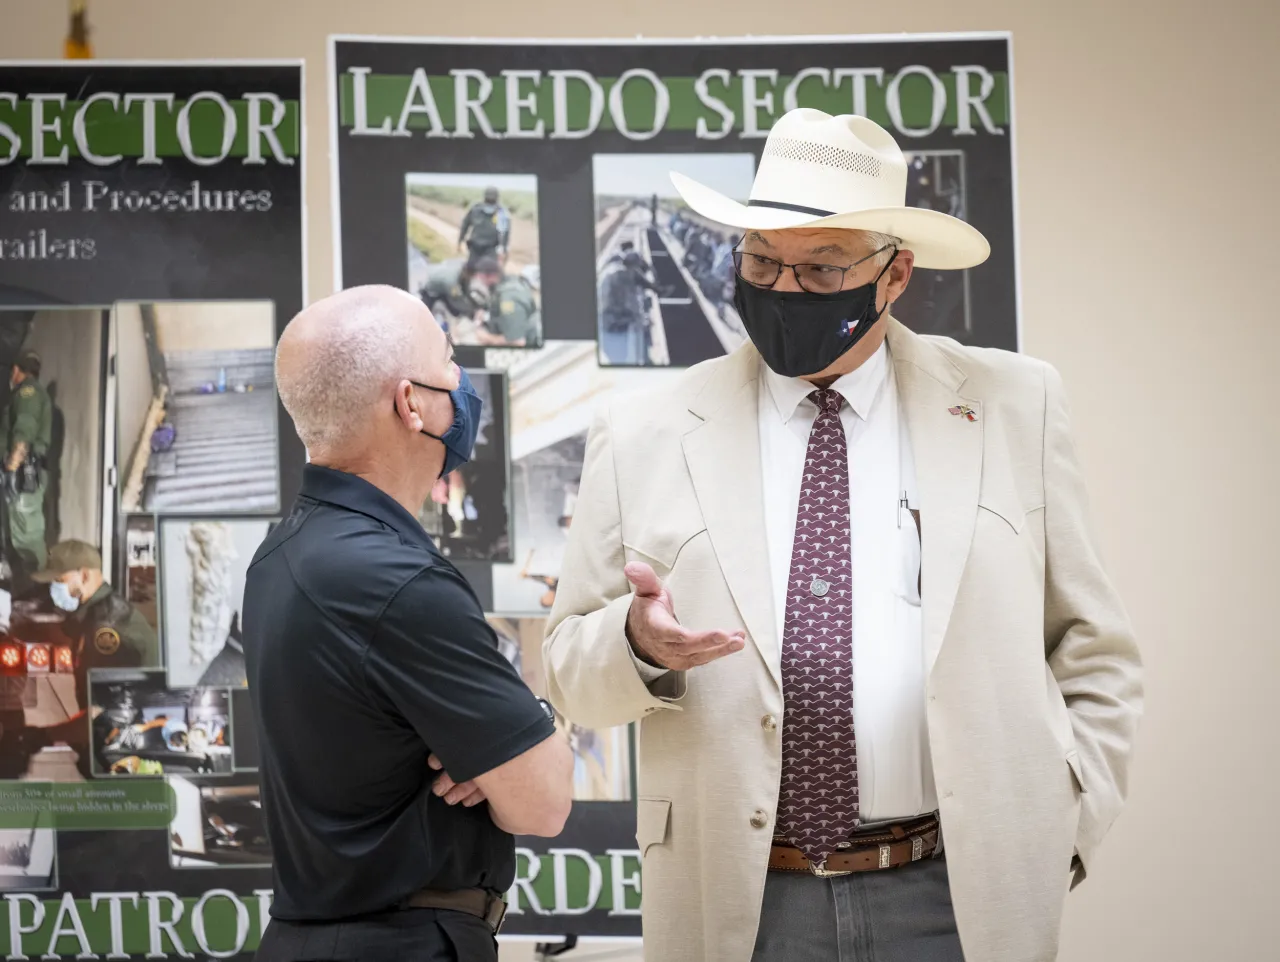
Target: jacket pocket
[
  {"x": 1073, "y": 763},
  {"x": 653, "y": 820}
]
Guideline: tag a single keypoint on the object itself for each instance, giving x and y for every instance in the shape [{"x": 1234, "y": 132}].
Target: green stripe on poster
[
  {"x": 143, "y": 803},
  {"x": 710, "y": 100},
  {"x": 154, "y": 924},
  {"x": 151, "y": 127}
]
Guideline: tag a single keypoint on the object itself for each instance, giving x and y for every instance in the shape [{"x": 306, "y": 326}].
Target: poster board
[{"x": 151, "y": 250}]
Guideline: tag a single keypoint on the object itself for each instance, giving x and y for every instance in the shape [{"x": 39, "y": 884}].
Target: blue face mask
[
  {"x": 460, "y": 440},
  {"x": 62, "y": 596}
]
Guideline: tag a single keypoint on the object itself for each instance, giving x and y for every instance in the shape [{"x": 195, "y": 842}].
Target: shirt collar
[
  {"x": 858, "y": 388},
  {"x": 99, "y": 596},
  {"x": 354, "y": 493}
]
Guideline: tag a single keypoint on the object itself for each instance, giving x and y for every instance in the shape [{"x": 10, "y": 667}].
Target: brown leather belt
[
  {"x": 478, "y": 902},
  {"x": 892, "y": 847}
]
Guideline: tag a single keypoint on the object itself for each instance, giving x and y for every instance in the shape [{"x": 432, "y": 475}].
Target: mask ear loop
[{"x": 876, "y": 282}]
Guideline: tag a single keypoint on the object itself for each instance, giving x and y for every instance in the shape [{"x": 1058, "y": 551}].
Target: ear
[
  {"x": 407, "y": 406},
  {"x": 900, "y": 274}
]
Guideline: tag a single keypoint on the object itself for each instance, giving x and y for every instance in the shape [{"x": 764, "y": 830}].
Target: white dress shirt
[{"x": 895, "y": 775}]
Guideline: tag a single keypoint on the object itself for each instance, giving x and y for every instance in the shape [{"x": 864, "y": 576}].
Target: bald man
[{"x": 400, "y": 750}]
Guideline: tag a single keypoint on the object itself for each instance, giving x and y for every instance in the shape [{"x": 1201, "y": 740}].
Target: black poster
[
  {"x": 574, "y": 144},
  {"x": 151, "y": 250}
]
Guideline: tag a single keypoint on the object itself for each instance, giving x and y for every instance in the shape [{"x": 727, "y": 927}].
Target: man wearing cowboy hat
[{"x": 843, "y": 579}]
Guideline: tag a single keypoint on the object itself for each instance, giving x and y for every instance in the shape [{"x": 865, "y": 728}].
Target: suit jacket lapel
[
  {"x": 947, "y": 449},
  {"x": 723, "y": 455}
]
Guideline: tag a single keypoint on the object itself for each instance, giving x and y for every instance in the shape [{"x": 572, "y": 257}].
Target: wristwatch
[{"x": 546, "y": 707}]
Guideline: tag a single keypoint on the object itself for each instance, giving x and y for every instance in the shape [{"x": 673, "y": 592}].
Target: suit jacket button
[
  {"x": 769, "y": 723},
  {"x": 759, "y": 819}
]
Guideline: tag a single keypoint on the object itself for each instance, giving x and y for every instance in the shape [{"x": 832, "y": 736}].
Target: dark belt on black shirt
[{"x": 478, "y": 902}]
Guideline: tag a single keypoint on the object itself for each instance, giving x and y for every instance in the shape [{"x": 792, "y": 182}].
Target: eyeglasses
[{"x": 760, "y": 271}]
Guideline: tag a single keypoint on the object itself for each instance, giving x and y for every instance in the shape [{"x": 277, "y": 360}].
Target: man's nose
[{"x": 787, "y": 281}]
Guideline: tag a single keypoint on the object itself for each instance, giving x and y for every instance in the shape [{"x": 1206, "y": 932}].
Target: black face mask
[
  {"x": 799, "y": 333},
  {"x": 460, "y": 440}
]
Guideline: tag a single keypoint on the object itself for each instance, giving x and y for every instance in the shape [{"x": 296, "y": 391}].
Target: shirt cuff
[{"x": 648, "y": 673}]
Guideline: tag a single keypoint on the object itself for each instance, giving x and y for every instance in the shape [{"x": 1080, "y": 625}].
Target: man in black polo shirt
[{"x": 400, "y": 750}]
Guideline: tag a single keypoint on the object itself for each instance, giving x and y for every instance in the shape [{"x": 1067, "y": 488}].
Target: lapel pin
[{"x": 963, "y": 410}]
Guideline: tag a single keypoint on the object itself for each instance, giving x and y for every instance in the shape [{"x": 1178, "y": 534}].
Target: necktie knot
[{"x": 827, "y": 401}]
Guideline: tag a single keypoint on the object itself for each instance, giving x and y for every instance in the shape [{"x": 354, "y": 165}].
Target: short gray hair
[
  {"x": 880, "y": 242},
  {"x": 343, "y": 363}
]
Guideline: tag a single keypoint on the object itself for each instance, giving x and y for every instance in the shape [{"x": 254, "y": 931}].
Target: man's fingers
[
  {"x": 434, "y": 763},
  {"x": 693, "y": 641},
  {"x": 705, "y": 655},
  {"x": 460, "y": 792},
  {"x": 475, "y": 798},
  {"x": 443, "y": 784},
  {"x": 647, "y": 584}
]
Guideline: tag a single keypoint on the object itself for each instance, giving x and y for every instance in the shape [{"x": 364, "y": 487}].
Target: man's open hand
[
  {"x": 468, "y": 793},
  {"x": 661, "y": 640}
]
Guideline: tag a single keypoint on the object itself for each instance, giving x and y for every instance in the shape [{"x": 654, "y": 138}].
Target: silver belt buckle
[{"x": 818, "y": 870}]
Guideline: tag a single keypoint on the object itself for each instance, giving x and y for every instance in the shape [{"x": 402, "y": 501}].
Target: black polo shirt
[{"x": 367, "y": 651}]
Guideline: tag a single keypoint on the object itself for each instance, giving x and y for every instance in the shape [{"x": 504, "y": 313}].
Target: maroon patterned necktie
[{"x": 818, "y": 807}]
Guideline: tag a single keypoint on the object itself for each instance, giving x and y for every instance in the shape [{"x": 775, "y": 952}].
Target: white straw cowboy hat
[{"x": 823, "y": 171}]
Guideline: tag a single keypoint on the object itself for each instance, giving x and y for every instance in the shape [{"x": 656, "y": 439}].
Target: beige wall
[
  {"x": 1147, "y": 166},
  {"x": 207, "y": 326}
]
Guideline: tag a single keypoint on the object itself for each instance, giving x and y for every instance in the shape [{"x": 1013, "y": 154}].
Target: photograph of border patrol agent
[
  {"x": 656, "y": 304},
  {"x": 457, "y": 293},
  {"x": 513, "y": 316},
  {"x": 464, "y": 219},
  {"x": 48, "y": 652},
  {"x": 71, "y": 348},
  {"x": 28, "y": 434},
  {"x": 486, "y": 230}
]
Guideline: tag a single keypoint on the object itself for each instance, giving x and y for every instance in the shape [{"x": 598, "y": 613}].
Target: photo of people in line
[
  {"x": 204, "y": 563},
  {"x": 217, "y": 823},
  {"x": 473, "y": 255},
  {"x": 468, "y": 513},
  {"x": 196, "y": 422},
  {"x": 143, "y": 727},
  {"x": 601, "y": 759},
  {"x": 664, "y": 275}
]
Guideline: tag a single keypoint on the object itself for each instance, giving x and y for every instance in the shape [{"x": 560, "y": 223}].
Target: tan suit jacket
[{"x": 1034, "y": 684}]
